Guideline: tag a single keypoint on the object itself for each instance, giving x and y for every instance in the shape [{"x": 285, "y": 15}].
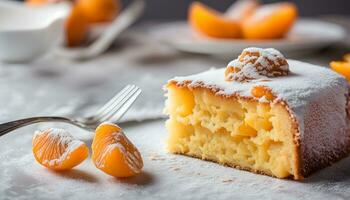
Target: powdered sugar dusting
[
  {"x": 305, "y": 83},
  {"x": 132, "y": 158},
  {"x": 56, "y": 140},
  {"x": 22, "y": 178},
  {"x": 315, "y": 96},
  {"x": 118, "y": 141},
  {"x": 255, "y": 63}
]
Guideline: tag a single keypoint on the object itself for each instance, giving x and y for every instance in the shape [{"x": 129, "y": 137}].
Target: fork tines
[{"x": 115, "y": 108}]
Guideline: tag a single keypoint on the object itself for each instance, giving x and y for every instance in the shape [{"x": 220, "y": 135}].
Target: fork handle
[{"x": 10, "y": 126}]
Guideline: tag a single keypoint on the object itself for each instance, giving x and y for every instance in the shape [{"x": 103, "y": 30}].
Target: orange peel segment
[
  {"x": 56, "y": 149},
  {"x": 113, "y": 153},
  {"x": 342, "y": 67},
  {"x": 211, "y": 23},
  {"x": 270, "y": 21}
]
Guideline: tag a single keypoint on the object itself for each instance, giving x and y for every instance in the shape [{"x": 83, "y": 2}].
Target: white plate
[{"x": 306, "y": 35}]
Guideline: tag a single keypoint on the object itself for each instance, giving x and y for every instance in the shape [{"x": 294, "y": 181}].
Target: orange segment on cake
[
  {"x": 342, "y": 67},
  {"x": 263, "y": 113}
]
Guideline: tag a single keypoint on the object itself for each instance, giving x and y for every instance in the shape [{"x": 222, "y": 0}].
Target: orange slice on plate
[
  {"x": 270, "y": 21},
  {"x": 113, "y": 153},
  {"x": 56, "y": 149},
  {"x": 211, "y": 23},
  {"x": 242, "y": 9}
]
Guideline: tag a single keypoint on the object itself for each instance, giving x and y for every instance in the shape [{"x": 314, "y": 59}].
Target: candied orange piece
[
  {"x": 262, "y": 91},
  {"x": 99, "y": 10},
  {"x": 211, "y": 23},
  {"x": 56, "y": 149},
  {"x": 242, "y": 9},
  {"x": 270, "y": 21},
  {"x": 113, "y": 153},
  {"x": 76, "y": 27},
  {"x": 342, "y": 68}
]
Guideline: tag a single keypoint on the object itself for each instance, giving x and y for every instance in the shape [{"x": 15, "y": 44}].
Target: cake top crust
[{"x": 305, "y": 83}]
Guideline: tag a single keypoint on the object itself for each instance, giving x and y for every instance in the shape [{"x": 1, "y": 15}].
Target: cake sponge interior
[{"x": 233, "y": 131}]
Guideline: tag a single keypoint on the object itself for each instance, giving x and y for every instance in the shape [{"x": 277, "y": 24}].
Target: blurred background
[
  {"x": 68, "y": 59},
  {"x": 155, "y": 48},
  {"x": 177, "y": 9},
  {"x": 172, "y": 9}
]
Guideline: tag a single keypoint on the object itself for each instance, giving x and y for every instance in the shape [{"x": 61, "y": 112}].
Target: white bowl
[{"x": 27, "y": 33}]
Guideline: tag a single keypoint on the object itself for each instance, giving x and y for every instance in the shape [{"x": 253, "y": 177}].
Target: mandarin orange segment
[
  {"x": 262, "y": 91},
  {"x": 113, "y": 153},
  {"x": 56, "y": 149},
  {"x": 342, "y": 68},
  {"x": 242, "y": 9},
  {"x": 99, "y": 10},
  {"x": 211, "y": 23},
  {"x": 76, "y": 27},
  {"x": 270, "y": 21}
]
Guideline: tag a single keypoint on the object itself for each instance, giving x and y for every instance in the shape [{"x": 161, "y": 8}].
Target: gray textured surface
[{"x": 165, "y": 176}]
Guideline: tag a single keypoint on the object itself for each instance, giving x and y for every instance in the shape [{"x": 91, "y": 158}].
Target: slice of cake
[{"x": 263, "y": 113}]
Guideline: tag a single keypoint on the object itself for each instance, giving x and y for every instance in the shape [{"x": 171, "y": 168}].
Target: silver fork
[{"x": 112, "y": 111}]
